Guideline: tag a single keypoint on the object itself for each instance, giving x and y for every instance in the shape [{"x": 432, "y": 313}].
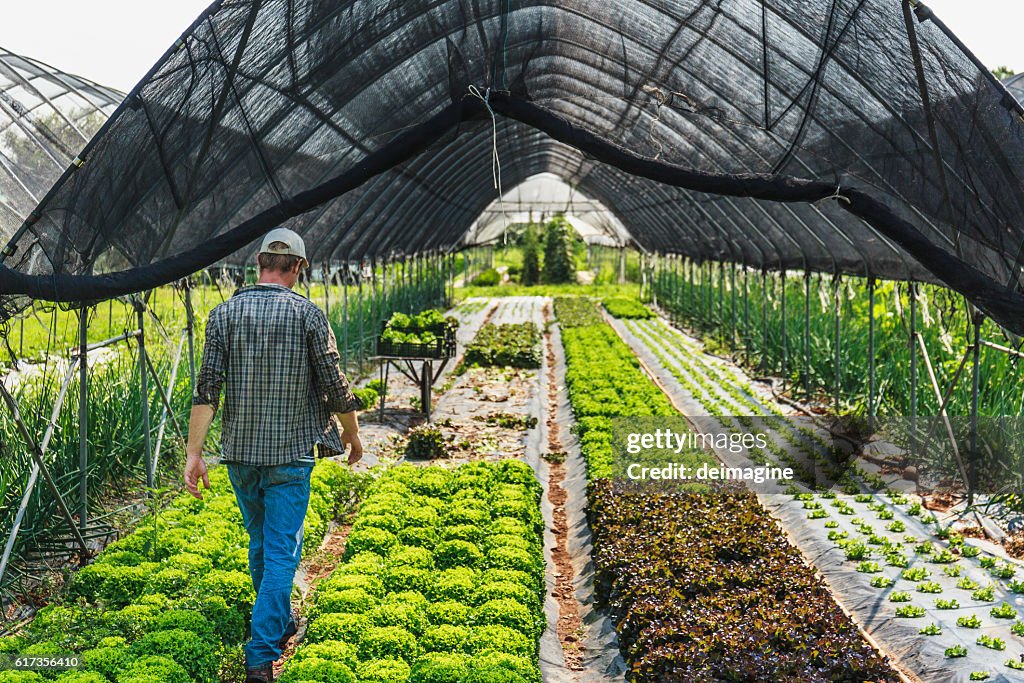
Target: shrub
[
  {"x": 107, "y": 660},
  {"x": 426, "y": 442},
  {"x": 437, "y": 667},
  {"x": 408, "y": 617},
  {"x": 445, "y": 638},
  {"x": 388, "y": 642},
  {"x": 449, "y": 612},
  {"x": 457, "y": 583},
  {"x": 559, "y": 265},
  {"x": 383, "y": 671},
  {"x": 81, "y": 677},
  {"x": 404, "y": 578},
  {"x": 621, "y": 307},
  {"x": 195, "y": 655},
  {"x": 153, "y": 669},
  {"x": 342, "y": 582},
  {"x": 411, "y": 557},
  {"x": 369, "y": 539},
  {"x": 20, "y": 677},
  {"x": 500, "y": 639},
  {"x": 353, "y": 600},
  {"x": 317, "y": 669},
  {"x": 346, "y": 627},
  {"x": 505, "y": 590},
  {"x": 495, "y": 667},
  {"x": 471, "y": 533},
  {"x": 531, "y": 256},
  {"x": 333, "y": 650},
  {"x": 457, "y": 554},
  {"x": 420, "y": 536},
  {"x": 488, "y": 278}
]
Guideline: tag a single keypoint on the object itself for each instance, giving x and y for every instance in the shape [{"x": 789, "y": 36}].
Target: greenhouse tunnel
[
  {"x": 807, "y": 212},
  {"x": 846, "y": 137}
]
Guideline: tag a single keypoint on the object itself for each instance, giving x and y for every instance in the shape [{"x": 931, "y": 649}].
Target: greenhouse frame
[{"x": 814, "y": 208}]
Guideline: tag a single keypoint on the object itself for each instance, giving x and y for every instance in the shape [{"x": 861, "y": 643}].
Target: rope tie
[
  {"x": 835, "y": 195},
  {"x": 495, "y": 157}
]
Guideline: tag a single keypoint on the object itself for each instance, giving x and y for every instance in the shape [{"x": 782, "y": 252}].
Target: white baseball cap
[{"x": 294, "y": 244}]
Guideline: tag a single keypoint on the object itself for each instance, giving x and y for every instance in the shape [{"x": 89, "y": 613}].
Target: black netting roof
[
  {"x": 46, "y": 117},
  {"x": 851, "y": 136}
]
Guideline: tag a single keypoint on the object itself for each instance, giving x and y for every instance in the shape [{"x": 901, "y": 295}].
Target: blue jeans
[{"x": 273, "y": 501}]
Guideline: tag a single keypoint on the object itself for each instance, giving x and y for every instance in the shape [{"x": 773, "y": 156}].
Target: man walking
[{"x": 273, "y": 354}]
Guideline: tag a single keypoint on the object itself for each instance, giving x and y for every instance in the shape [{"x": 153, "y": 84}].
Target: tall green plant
[
  {"x": 531, "y": 257},
  {"x": 559, "y": 263}
]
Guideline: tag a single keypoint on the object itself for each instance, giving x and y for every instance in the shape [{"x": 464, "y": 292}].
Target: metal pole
[
  {"x": 871, "y": 352},
  {"x": 838, "y": 340},
  {"x": 785, "y": 351},
  {"x": 912, "y": 291},
  {"x": 33, "y": 476},
  {"x": 362, "y": 320},
  {"x": 746, "y": 308},
  {"x": 689, "y": 290},
  {"x": 190, "y": 330},
  {"x": 166, "y": 397},
  {"x": 83, "y": 417},
  {"x": 975, "y": 386},
  {"x": 732, "y": 287},
  {"x": 327, "y": 289},
  {"x": 140, "y": 309},
  {"x": 37, "y": 456},
  {"x": 721, "y": 301},
  {"x": 344, "y": 319},
  {"x": 764, "y": 319},
  {"x": 807, "y": 331}
]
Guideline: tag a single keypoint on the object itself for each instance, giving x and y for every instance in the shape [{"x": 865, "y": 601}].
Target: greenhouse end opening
[{"x": 511, "y": 341}]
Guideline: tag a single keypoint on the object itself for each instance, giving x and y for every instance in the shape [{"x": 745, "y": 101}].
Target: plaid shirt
[{"x": 274, "y": 355}]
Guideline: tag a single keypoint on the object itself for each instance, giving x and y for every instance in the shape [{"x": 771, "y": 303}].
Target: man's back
[{"x": 275, "y": 356}]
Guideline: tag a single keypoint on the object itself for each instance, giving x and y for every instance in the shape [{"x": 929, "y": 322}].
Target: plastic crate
[{"x": 443, "y": 347}]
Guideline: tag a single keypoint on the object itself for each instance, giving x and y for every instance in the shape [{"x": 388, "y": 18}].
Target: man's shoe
[
  {"x": 260, "y": 674},
  {"x": 290, "y": 630}
]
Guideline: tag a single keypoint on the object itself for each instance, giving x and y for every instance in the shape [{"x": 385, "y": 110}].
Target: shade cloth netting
[{"x": 851, "y": 136}]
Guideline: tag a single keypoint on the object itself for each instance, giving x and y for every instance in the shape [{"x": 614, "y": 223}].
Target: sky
[{"x": 115, "y": 42}]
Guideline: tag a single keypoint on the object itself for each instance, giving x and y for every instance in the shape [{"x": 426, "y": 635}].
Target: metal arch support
[
  {"x": 34, "y": 474},
  {"x": 871, "y": 352},
  {"x": 912, "y": 291},
  {"x": 83, "y": 417},
  {"x": 37, "y": 457},
  {"x": 837, "y": 288}
]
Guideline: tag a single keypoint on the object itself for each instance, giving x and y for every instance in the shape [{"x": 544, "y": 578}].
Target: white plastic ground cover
[
  {"x": 603, "y": 660},
  {"x": 603, "y": 663},
  {"x": 921, "y": 655}
]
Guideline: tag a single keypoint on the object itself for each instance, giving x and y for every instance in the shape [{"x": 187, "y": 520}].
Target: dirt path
[
  {"x": 569, "y": 622},
  {"x": 311, "y": 571}
]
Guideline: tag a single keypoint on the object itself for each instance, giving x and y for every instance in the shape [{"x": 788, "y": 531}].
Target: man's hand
[
  {"x": 350, "y": 436},
  {"x": 195, "y": 469},
  {"x": 355, "y": 446}
]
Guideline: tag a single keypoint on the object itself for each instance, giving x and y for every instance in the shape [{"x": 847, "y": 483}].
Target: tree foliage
[
  {"x": 559, "y": 265},
  {"x": 531, "y": 257}
]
